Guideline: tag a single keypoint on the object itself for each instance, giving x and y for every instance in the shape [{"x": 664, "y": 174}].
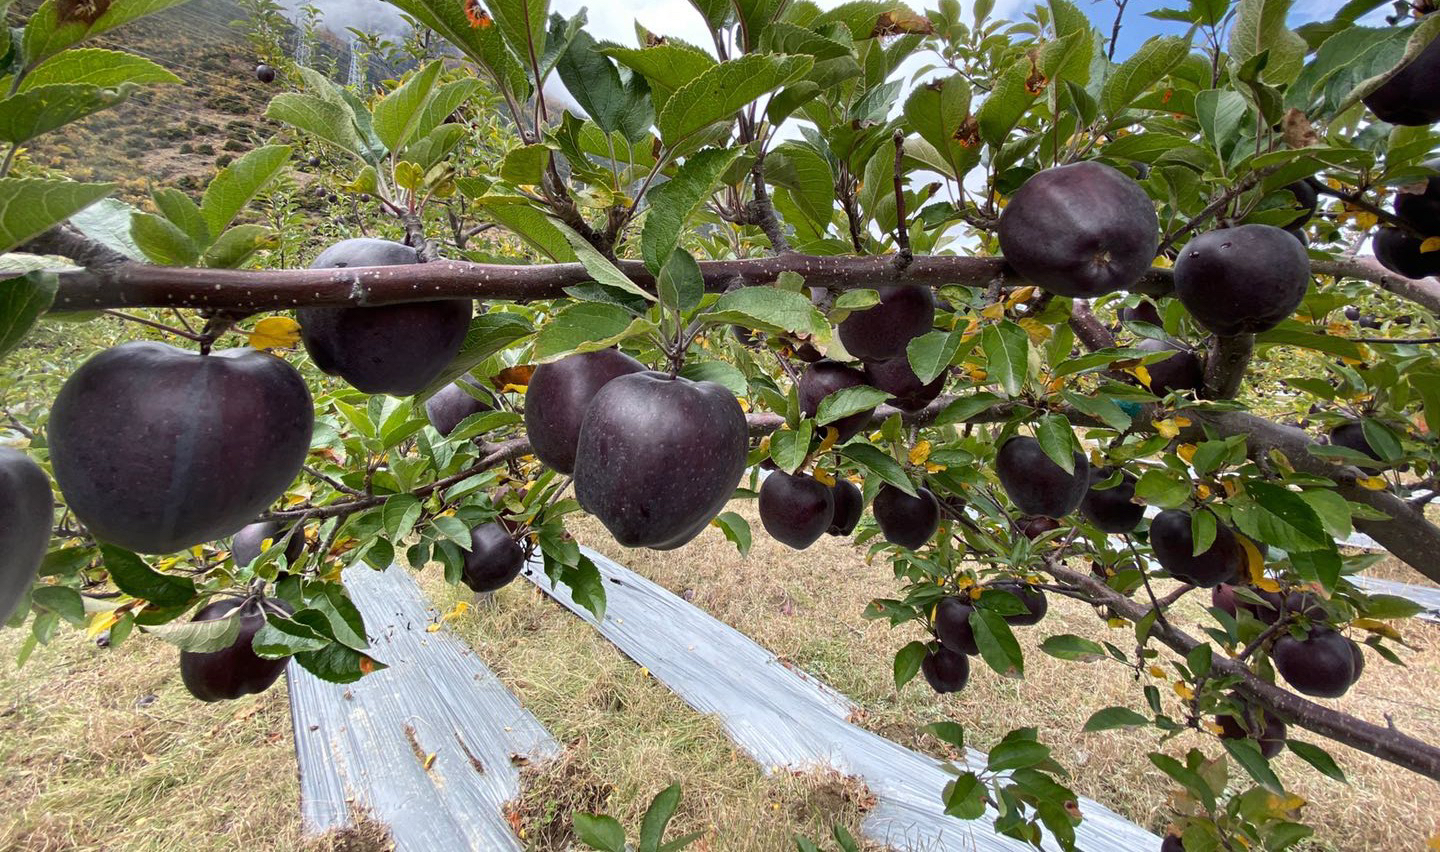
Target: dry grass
[
  {"x": 806, "y": 608},
  {"x": 629, "y": 737}
]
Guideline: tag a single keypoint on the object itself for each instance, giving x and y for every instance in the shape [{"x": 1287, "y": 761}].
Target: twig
[
  {"x": 1115, "y": 30},
  {"x": 178, "y": 332},
  {"x": 333, "y": 483},
  {"x": 902, "y": 230},
  {"x": 1241, "y": 186}
]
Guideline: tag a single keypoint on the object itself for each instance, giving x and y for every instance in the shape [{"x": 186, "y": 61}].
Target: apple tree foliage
[{"x": 717, "y": 211}]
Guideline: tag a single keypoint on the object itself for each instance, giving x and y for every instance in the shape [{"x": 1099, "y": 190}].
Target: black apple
[
  {"x": 1421, "y": 210},
  {"x": 1351, "y": 436},
  {"x": 824, "y": 378},
  {"x": 1242, "y": 280},
  {"x": 952, "y": 625},
  {"x": 659, "y": 457},
  {"x": 905, "y": 520},
  {"x": 558, "y": 397},
  {"x": 1037, "y": 485},
  {"x": 1322, "y": 664},
  {"x": 1145, "y": 312},
  {"x": 1112, "y": 509},
  {"x": 1358, "y": 659},
  {"x": 27, "y": 511},
  {"x": 1034, "y": 526},
  {"x": 1400, "y": 253},
  {"x": 1271, "y": 737},
  {"x": 796, "y": 509},
  {"x": 945, "y": 670},
  {"x": 235, "y": 670},
  {"x": 1032, "y": 598},
  {"x": 1412, "y": 97},
  {"x": 896, "y": 378},
  {"x": 1182, "y": 371},
  {"x": 849, "y": 506},
  {"x": 1174, "y": 545},
  {"x": 1307, "y": 198},
  {"x": 264, "y": 73},
  {"x": 1081, "y": 230},
  {"x": 452, "y": 404},
  {"x": 393, "y": 349},
  {"x": 249, "y": 542},
  {"x": 882, "y": 331},
  {"x": 494, "y": 558},
  {"x": 157, "y": 449}
]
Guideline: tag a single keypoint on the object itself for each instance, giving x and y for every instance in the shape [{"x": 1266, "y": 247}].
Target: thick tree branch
[
  {"x": 1088, "y": 327},
  {"x": 761, "y": 211},
  {"x": 1225, "y": 365},
  {"x": 1423, "y": 292},
  {"x": 1386, "y": 743},
  {"x": 132, "y": 285},
  {"x": 66, "y": 240}
]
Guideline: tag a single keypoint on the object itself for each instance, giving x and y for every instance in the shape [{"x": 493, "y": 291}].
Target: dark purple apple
[
  {"x": 249, "y": 542},
  {"x": 1226, "y": 596},
  {"x": 952, "y": 625},
  {"x": 849, "y": 506},
  {"x": 1421, "y": 210},
  {"x": 1174, "y": 546},
  {"x": 1411, "y": 97},
  {"x": 1112, "y": 509},
  {"x": 558, "y": 397},
  {"x": 1182, "y": 371},
  {"x": 1081, "y": 230},
  {"x": 1145, "y": 312},
  {"x": 1322, "y": 664},
  {"x": 236, "y": 670},
  {"x": 1358, "y": 657},
  {"x": 264, "y": 73},
  {"x": 896, "y": 378},
  {"x": 393, "y": 349},
  {"x": 1037, "y": 485},
  {"x": 27, "y": 510},
  {"x": 905, "y": 520},
  {"x": 157, "y": 449},
  {"x": 1034, "y": 526},
  {"x": 659, "y": 457},
  {"x": 494, "y": 558},
  {"x": 796, "y": 509},
  {"x": 1351, "y": 436},
  {"x": 1271, "y": 739},
  {"x": 1032, "y": 598},
  {"x": 1172, "y": 843},
  {"x": 452, "y": 404},
  {"x": 945, "y": 670},
  {"x": 1242, "y": 280},
  {"x": 1307, "y": 198},
  {"x": 1400, "y": 253},
  {"x": 882, "y": 331},
  {"x": 824, "y": 378}
]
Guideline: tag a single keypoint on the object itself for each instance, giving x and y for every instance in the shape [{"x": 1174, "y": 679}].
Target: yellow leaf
[
  {"x": 1163, "y": 262},
  {"x": 1141, "y": 373},
  {"x": 824, "y": 477},
  {"x": 1039, "y": 332},
  {"x": 1202, "y": 491},
  {"x": 975, "y": 592},
  {"x": 1186, "y": 452},
  {"x": 1021, "y": 294},
  {"x": 1166, "y": 428},
  {"x": 275, "y": 333},
  {"x": 994, "y": 312},
  {"x": 1117, "y": 622},
  {"x": 1182, "y": 421},
  {"x": 1433, "y": 842},
  {"x": 1156, "y": 671},
  {"x": 1264, "y": 583},
  {"x": 831, "y": 436},
  {"x": 1430, "y": 244},
  {"x": 1183, "y": 690},
  {"x": 920, "y": 453},
  {"x": 1213, "y": 727},
  {"x": 1373, "y": 483},
  {"x": 1379, "y": 627},
  {"x": 1232, "y": 486},
  {"x": 931, "y": 467},
  {"x": 429, "y": 761},
  {"x": 100, "y": 622},
  {"x": 977, "y": 374},
  {"x": 744, "y": 404}
]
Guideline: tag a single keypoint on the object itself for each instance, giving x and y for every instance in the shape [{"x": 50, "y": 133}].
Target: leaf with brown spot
[
  {"x": 88, "y": 11},
  {"x": 517, "y": 376}
]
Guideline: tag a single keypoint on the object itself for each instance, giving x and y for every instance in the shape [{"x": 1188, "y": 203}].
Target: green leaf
[
  {"x": 1114, "y": 717},
  {"x": 681, "y": 285},
  {"x": 237, "y": 245},
  {"x": 965, "y": 797},
  {"x": 932, "y": 353},
  {"x": 665, "y": 67},
  {"x": 1007, "y": 102},
  {"x": 878, "y": 463},
  {"x": 133, "y": 577},
  {"x": 398, "y": 115},
  {"x": 788, "y": 447},
  {"x": 1247, "y": 753},
  {"x": 1071, "y": 647},
  {"x": 344, "y": 620},
  {"x": 769, "y": 309},
  {"x": 657, "y": 817},
  {"x": 330, "y": 121},
  {"x": 58, "y": 24},
  {"x": 1260, "y": 28},
  {"x": 183, "y": 213},
  {"x": 998, "y": 646},
  {"x": 907, "y": 663},
  {"x": 736, "y": 530},
  {"x": 400, "y": 513},
  {"x": 521, "y": 218},
  {"x": 1163, "y": 487},
  {"x": 719, "y": 92},
  {"x": 525, "y": 165},
  {"x": 718, "y": 372},
  {"x": 522, "y": 23},
  {"x": 1285, "y": 520},
  {"x": 282, "y": 637},
  {"x": 61, "y": 600},
  {"x": 1057, "y": 439},
  {"x": 613, "y": 103},
  {"x": 161, "y": 241},
  {"x": 29, "y": 207},
  {"x": 1016, "y": 754},
  {"x": 806, "y": 173},
  {"x": 966, "y": 408},
  {"x": 200, "y": 636},
  {"x": 1007, "y": 355},
  {"x": 489, "y": 333},
  {"x": 586, "y": 327},
  {"x": 1332, "y": 509},
  {"x": 848, "y": 401},
  {"x": 600, "y": 268},
  {"x": 587, "y": 587},
  {"x": 1220, "y": 113},
  {"x": 600, "y": 832},
  {"x": 23, "y": 300},
  {"x": 238, "y": 182},
  {"x": 338, "y": 663},
  {"x": 96, "y": 67},
  {"x": 1147, "y": 66},
  {"x": 949, "y": 732},
  {"x": 1318, "y": 758},
  {"x": 672, "y": 203}
]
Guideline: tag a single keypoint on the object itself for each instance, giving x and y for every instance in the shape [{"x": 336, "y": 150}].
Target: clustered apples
[
  {"x": 945, "y": 665},
  {"x": 236, "y": 669},
  {"x": 1400, "y": 251}
]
